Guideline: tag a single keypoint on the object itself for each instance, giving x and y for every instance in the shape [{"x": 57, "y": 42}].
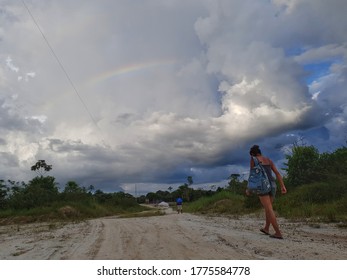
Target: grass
[
  {"x": 317, "y": 201},
  {"x": 223, "y": 202},
  {"x": 68, "y": 211}
]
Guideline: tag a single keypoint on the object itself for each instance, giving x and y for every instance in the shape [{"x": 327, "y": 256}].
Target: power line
[{"x": 62, "y": 67}]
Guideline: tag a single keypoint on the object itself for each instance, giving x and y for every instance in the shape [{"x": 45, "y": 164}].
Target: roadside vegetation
[
  {"x": 41, "y": 200},
  {"x": 316, "y": 183}
]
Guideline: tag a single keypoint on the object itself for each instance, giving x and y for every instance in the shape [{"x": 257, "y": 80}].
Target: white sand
[{"x": 172, "y": 236}]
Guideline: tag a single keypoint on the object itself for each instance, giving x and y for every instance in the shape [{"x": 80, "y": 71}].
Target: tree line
[
  {"x": 304, "y": 165},
  {"x": 43, "y": 191},
  {"x": 185, "y": 191}
]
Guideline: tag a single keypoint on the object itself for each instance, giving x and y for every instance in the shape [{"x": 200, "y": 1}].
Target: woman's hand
[{"x": 283, "y": 190}]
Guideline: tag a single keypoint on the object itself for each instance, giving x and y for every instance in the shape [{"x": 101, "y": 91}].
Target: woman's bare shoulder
[{"x": 265, "y": 160}]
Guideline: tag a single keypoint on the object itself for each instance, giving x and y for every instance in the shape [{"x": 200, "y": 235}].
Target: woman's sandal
[
  {"x": 275, "y": 236},
  {"x": 265, "y": 232}
]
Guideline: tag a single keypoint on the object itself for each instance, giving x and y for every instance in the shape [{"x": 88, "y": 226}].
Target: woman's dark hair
[{"x": 255, "y": 150}]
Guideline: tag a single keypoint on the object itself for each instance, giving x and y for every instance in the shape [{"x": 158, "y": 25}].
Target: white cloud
[
  {"x": 163, "y": 88},
  {"x": 329, "y": 52},
  {"x": 288, "y": 5},
  {"x": 10, "y": 65}
]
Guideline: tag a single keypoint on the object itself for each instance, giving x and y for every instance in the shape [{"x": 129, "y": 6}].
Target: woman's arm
[{"x": 278, "y": 177}]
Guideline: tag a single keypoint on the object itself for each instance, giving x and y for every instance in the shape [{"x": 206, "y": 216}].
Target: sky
[{"x": 139, "y": 95}]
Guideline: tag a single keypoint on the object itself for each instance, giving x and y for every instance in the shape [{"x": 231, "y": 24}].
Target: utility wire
[{"x": 62, "y": 67}]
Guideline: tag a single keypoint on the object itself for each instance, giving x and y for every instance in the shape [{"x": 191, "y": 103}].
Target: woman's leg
[
  {"x": 267, "y": 223},
  {"x": 266, "y": 201},
  {"x": 267, "y": 217}
]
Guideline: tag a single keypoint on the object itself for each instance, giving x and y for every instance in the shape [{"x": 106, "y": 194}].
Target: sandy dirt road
[{"x": 171, "y": 236}]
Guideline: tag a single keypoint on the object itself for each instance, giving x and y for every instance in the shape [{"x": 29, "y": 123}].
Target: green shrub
[
  {"x": 320, "y": 200},
  {"x": 223, "y": 202}
]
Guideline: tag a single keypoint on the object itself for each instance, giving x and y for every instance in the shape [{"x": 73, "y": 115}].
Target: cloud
[
  {"x": 118, "y": 93},
  {"x": 329, "y": 52},
  {"x": 11, "y": 66}
]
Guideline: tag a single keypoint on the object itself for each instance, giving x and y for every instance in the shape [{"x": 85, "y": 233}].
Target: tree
[
  {"x": 333, "y": 163},
  {"x": 302, "y": 165},
  {"x": 233, "y": 180},
  {"x": 186, "y": 192},
  {"x": 190, "y": 180},
  {"x": 90, "y": 189},
  {"x": 3, "y": 194},
  {"x": 40, "y": 191},
  {"x": 102, "y": 197},
  {"x": 41, "y": 167},
  {"x": 152, "y": 197},
  {"x": 235, "y": 185},
  {"x": 73, "y": 192},
  {"x": 73, "y": 187}
]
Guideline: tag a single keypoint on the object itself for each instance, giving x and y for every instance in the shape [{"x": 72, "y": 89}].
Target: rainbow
[{"x": 129, "y": 69}]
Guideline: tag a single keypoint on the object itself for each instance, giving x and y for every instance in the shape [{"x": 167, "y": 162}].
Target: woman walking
[{"x": 267, "y": 199}]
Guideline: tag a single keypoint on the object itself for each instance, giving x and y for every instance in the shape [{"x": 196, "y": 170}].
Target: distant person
[
  {"x": 179, "y": 202},
  {"x": 267, "y": 199}
]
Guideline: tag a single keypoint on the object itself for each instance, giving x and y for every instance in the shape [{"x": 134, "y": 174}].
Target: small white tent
[{"x": 163, "y": 204}]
